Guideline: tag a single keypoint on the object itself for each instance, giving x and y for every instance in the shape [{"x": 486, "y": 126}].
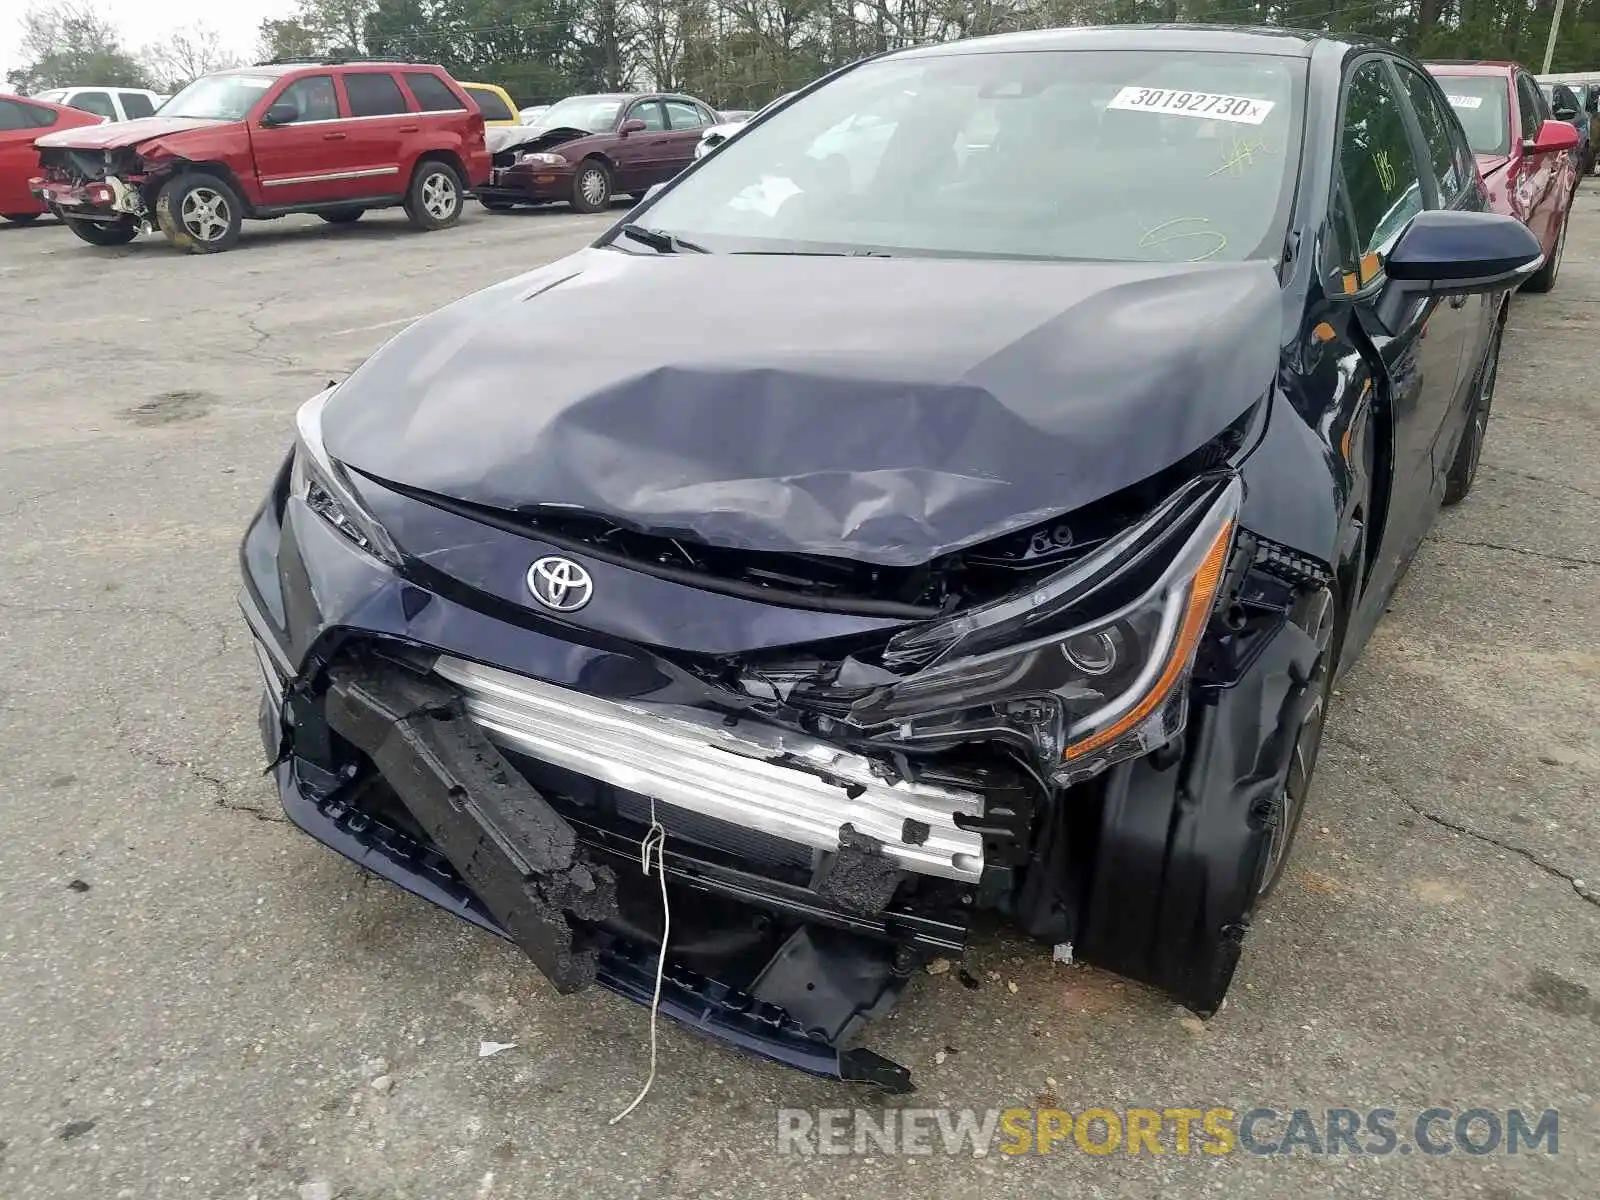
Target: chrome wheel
[
  {"x": 593, "y": 186},
  {"x": 205, "y": 215},
  {"x": 440, "y": 196}
]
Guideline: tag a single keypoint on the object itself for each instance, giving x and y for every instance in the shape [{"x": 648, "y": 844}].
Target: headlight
[
  {"x": 322, "y": 484},
  {"x": 1089, "y": 668},
  {"x": 542, "y": 159}
]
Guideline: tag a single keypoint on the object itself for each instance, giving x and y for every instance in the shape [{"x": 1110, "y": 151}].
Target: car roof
[{"x": 1242, "y": 39}]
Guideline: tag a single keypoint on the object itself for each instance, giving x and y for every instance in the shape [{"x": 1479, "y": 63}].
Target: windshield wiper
[{"x": 661, "y": 243}]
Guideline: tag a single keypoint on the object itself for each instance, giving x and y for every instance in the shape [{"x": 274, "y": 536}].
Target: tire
[
  {"x": 97, "y": 233},
  {"x": 200, "y": 213},
  {"x": 433, "y": 201},
  {"x": 21, "y": 218},
  {"x": 1464, "y": 470},
  {"x": 342, "y": 216},
  {"x": 591, "y": 187},
  {"x": 1546, "y": 278},
  {"x": 497, "y": 205},
  {"x": 1289, "y": 802}
]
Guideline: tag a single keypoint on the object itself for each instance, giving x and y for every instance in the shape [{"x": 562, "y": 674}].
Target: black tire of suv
[
  {"x": 222, "y": 201},
  {"x": 426, "y": 181},
  {"x": 21, "y": 218},
  {"x": 98, "y": 233},
  {"x": 596, "y": 197},
  {"x": 342, "y": 216}
]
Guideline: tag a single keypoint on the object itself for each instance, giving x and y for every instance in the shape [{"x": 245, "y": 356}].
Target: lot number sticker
[
  {"x": 1465, "y": 101},
  {"x": 1210, "y": 106}
]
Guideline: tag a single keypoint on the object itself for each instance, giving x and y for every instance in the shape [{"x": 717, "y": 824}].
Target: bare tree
[
  {"x": 186, "y": 55},
  {"x": 71, "y": 42}
]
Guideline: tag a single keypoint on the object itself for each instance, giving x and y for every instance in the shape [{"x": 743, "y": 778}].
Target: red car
[
  {"x": 21, "y": 121},
  {"x": 333, "y": 139},
  {"x": 1524, "y": 154},
  {"x": 587, "y": 149}
]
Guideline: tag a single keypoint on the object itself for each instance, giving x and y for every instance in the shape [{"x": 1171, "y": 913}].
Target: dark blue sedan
[{"x": 957, "y": 493}]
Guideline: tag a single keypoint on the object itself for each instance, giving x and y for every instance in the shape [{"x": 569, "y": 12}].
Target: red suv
[{"x": 333, "y": 139}]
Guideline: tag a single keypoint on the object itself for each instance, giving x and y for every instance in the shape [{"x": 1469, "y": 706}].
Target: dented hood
[
  {"x": 884, "y": 409},
  {"x": 115, "y": 134}
]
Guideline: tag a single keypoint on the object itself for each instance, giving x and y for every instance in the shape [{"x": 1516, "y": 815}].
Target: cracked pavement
[{"x": 194, "y": 999}]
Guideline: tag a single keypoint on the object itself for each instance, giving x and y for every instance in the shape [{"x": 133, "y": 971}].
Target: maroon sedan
[
  {"x": 587, "y": 149},
  {"x": 1524, "y": 155}
]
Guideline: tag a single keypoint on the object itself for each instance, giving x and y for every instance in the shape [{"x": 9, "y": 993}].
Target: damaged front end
[
  {"x": 1081, "y": 727},
  {"x": 105, "y": 186}
]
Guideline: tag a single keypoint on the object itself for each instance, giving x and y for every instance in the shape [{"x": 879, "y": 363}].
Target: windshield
[
  {"x": 1141, "y": 156},
  {"x": 1482, "y": 104},
  {"x": 592, "y": 114},
  {"x": 218, "y": 97}
]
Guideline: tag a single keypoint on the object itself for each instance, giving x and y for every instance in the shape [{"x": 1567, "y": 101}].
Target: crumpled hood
[
  {"x": 115, "y": 134},
  {"x": 524, "y": 137},
  {"x": 1488, "y": 164},
  {"x": 887, "y": 410}
]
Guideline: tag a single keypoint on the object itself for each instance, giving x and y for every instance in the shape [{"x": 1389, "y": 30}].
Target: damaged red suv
[{"x": 333, "y": 139}]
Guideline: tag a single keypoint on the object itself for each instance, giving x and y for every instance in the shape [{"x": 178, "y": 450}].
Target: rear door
[
  {"x": 686, "y": 121},
  {"x": 380, "y": 123},
  {"x": 303, "y": 161}
]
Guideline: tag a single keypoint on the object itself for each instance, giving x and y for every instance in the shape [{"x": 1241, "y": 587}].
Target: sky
[{"x": 144, "y": 21}]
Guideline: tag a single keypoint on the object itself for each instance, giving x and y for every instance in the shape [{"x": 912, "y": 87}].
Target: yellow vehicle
[{"x": 497, "y": 105}]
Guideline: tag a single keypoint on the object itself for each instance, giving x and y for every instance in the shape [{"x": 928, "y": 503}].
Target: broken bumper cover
[
  {"x": 108, "y": 199},
  {"x": 500, "y": 857}
]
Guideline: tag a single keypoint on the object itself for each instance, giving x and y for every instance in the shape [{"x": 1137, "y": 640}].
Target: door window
[
  {"x": 1531, "y": 101},
  {"x": 137, "y": 104},
  {"x": 490, "y": 104},
  {"x": 684, "y": 115},
  {"x": 313, "y": 98},
  {"x": 648, "y": 111},
  {"x": 432, "y": 93},
  {"x": 374, "y": 94},
  {"x": 1437, "y": 128},
  {"x": 95, "y": 102},
  {"x": 1383, "y": 185}
]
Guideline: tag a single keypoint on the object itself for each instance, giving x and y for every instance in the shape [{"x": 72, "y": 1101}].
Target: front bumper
[
  {"x": 1149, "y": 870},
  {"x": 109, "y": 199},
  {"x": 523, "y": 185}
]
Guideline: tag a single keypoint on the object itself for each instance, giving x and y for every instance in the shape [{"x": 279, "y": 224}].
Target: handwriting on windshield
[
  {"x": 1207, "y": 243},
  {"x": 1239, "y": 154}
]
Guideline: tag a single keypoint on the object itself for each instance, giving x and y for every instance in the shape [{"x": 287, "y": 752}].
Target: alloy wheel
[
  {"x": 440, "y": 195},
  {"x": 205, "y": 214}
]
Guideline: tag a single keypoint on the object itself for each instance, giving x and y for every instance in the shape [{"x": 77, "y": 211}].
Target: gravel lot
[{"x": 195, "y": 1000}]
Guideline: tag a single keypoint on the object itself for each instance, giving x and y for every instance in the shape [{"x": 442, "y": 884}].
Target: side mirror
[
  {"x": 1442, "y": 252},
  {"x": 632, "y": 125},
  {"x": 280, "y": 114},
  {"x": 1553, "y": 136},
  {"x": 1568, "y": 115}
]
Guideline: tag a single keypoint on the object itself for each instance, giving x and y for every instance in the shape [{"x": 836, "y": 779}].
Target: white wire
[{"x": 654, "y": 839}]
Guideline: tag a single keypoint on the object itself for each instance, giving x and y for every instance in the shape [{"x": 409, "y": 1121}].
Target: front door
[
  {"x": 1385, "y": 187},
  {"x": 304, "y": 160},
  {"x": 641, "y": 157}
]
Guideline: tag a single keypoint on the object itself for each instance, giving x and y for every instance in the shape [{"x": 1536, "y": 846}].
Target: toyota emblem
[{"x": 560, "y": 584}]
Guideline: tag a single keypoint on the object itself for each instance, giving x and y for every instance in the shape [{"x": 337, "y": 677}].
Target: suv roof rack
[{"x": 337, "y": 61}]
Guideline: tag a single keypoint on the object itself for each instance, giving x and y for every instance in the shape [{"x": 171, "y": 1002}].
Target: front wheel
[
  {"x": 1288, "y": 805},
  {"x": 200, "y": 213},
  {"x": 434, "y": 199},
  {"x": 591, "y": 187},
  {"x": 103, "y": 233},
  {"x": 1464, "y": 470},
  {"x": 21, "y": 218}
]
